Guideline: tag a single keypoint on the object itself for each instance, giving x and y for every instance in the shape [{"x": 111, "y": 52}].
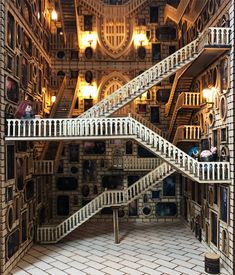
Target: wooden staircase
[
  {"x": 185, "y": 105},
  {"x": 61, "y": 109},
  {"x": 181, "y": 84},
  {"x": 68, "y": 15}
]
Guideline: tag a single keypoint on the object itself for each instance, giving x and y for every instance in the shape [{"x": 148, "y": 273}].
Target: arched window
[{"x": 225, "y": 242}]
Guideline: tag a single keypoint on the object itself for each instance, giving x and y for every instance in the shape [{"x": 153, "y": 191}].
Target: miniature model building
[{"x": 120, "y": 111}]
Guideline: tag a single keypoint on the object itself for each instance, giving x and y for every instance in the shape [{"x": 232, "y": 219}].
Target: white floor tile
[
  {"x": 93, "y": 271},
  {"x": 147, "y": 270},
  {"x": 74, "y": 271},
  {"x": 131, "y": 271},
  {"x": 37, "y": 271},
  {"x": 145, "y": 248},
  {"x": 56, "y": 271}
]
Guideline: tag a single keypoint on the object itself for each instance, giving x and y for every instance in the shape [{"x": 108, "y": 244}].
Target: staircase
[
  {"x": 214, "y": 37},
  {"x": 68, "y": 15},
  {"x": 52, "y": 234},
  {"x": 185, "y": 105},
  {"x": 144, "y": 81},
  {"x": 175, "y": 14},
  {"x": 181, "y": 84},
  {"x": 122, "y": 128},
  {"x": 142, "y": 120},
  {"x": 95, "y": 124},
  {"x": 62, "y": 108}
]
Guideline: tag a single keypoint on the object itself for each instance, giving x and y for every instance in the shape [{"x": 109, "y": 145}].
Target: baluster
[{"x": 13, "y": 124}]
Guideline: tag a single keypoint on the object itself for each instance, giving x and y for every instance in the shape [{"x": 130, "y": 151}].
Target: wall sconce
[
  {"x": 208, "y": 94},
  {"x": 54, "y": 15},
  {"x": 89, "y": 91},
  {"x": 89, "y": 39},
  {"x": 53, "y": 99},
  {"x": 140, "y": 38}
]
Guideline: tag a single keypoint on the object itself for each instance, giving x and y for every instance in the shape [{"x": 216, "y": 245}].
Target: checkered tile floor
[{"x": 145, "y": 248}]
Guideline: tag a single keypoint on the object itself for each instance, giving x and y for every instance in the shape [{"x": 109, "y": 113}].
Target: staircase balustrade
[
  {"x": 187, "y": 133},
  {"x": 215, "y": 36},
  {"x": 184, "y": 100},
  {"x": 100, "y": 128},
  {"x": 43, "y": 167},
  {"x": 143, "y": 82},
  {"x": 52, "y": 234},
  {"x": 141, "y": 164},
  {"x": 168, "y": 66}
]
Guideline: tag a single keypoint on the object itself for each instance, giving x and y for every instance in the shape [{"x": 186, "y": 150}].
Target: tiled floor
[{"x": 145, "y": 248}]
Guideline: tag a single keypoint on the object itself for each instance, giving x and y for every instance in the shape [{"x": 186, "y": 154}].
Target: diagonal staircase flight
[{"x": 52, "y": 234}]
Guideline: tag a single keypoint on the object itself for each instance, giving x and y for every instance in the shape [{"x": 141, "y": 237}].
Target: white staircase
[
  {"x": 52, "y": 234},
  {"x": 122, "y": 128},
  {"x": 213, "y": 37},
  {"x": 141, "y": 120},
  {"x": 94, "y": 124}
]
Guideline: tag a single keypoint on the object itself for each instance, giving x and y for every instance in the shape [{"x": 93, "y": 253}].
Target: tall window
[
  {"x": 153, "y": 14},
  {"x": 10, "y": 162},
  {"x": 214, "y": 229}
]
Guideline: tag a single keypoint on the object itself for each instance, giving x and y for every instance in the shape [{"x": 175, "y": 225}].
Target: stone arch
[{"x": 111, "y": 83}]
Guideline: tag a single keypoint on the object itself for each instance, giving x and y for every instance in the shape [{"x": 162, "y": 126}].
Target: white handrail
[
  {"x": 154, "y": 75},
  {"x": 52, "y": 234},
  {"x": 143, "y": 82},
  {"x": 121, "y": 127}
]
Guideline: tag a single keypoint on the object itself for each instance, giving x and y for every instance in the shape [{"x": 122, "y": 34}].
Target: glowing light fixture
[
  {"x": 208, "y": 94},
  {"x": 89, "y": 39},
  {"x": 53, "y": 99},
  {"x": 140, "y": 38},
  {"x": 89, "y": 91},
  {"x": 54, "y": 15}
]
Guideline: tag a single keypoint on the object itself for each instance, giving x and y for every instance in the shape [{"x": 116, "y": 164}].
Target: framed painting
[
  {"x": 166, "y": 209},
  {"x": 169, "y": 186},
  {"x": 133, "y": 209},
  {"x": 154, "y": 114},
  {"x": 73, "y": 152},
  {"x": 88, "y": 103},
  {"x": 142, "y": 108},
  {"x": 224, "y": 204}
]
